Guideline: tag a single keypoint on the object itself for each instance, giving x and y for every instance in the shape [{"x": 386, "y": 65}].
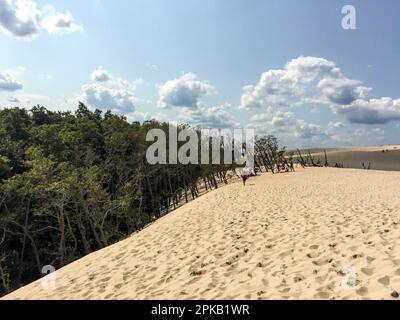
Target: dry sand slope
[{"x": 288, "y": 236}]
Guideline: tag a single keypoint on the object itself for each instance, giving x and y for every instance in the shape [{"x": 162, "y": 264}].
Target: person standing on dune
[
  {"x": 244, "y": 173},
  {"x": 244, "y": 178}
]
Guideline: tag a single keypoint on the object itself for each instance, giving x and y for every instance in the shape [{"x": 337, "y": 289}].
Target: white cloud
[
  {"x": 152, "y": 66},
  {"x": 100, "y": 74},
  {"x": 23, "y": 19},
  {"x": 20, "y": 18},
  {"x": 138, "y": 116},
  {"x": 8, "y": 83},
  {"x": 284, "y": 124},
  {"x": 15, "y": 72},
  {"x": 306, "y": 130},
  {"x": 304, "y": 80},
  {"x": 317, "y": 81},
  {"x": 117, "y": 95},
  {"x": 185, "y": 91},
  {"x": 102, "y": 97},
  {"x": 376, "y": 133},
  {"x": 207, "y": 117},
  {"x": 336, "y": 125},
  {"x": 13, "y": 99},
  {"x": 361, "y": 136},
  {"x": 300, "y": 133},
  {"x": 373, "y": 111},
  {"x": 59, "y": 23},
  {"x": 27, "y": 100},
  {"x": 357, "y": 136}
]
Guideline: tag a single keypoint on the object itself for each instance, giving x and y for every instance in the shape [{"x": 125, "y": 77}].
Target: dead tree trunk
[
  {"x": 301, "y": 159},
  {"x": 326, "y": 164}
]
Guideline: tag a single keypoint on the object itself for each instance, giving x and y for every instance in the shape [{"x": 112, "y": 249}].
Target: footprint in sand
[
  {"x": 368, "y": 271},
  {"x": 396, "y": 262},
  {"x": 322, "y": 262},
  {"x": 118, "y": 286},
  {"x": 321, "y": 279},
  {"x": 105, "y": 279},
  {"x": 196, "y": 273},
  {"x": 313, "y": 255},
  {"x": 384, "y": 280},
  {"x": 297, "y": 279},
  {"x": 285, "y": 290},
  {"x": 363, "y": 291},
  {"x": 370, "y": 259},
  {"x": 286, "y": 253},
  {"x": 322, "y": 295}
]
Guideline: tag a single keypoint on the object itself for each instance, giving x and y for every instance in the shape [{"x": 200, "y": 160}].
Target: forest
[{"x": 73, "y": 183}]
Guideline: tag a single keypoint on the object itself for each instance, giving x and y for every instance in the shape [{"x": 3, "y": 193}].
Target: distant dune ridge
[
  {"x": 317, "y": 233},
  {"x": 380, "y": 158}
]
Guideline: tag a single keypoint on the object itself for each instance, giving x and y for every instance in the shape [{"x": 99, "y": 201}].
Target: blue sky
[{"x": 188, "y": 61}]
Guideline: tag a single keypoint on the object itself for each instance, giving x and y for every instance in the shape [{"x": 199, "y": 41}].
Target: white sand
[
  {"x": 373, "y": 149},
  {"x": 284, "y": 236}
]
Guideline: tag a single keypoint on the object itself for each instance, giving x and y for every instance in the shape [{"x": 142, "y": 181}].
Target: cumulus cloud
[
  {"x": 306, "y": 130},
  {"x": 373, "y": 111},
  {"x": 285, "y": 124},
  {"x": 185, "y": 91},
  {"x": 301, "y": 133},
  {"x": 303, "y": 80},
  {"x": 23, "y": 19},
  {"x": 102, "y": 97},
  {"x": 138, "y": 116},
  {"x": 207, "y": 117},
  {"x": 8, "y": 83},
  {"x": 20, "y": 18},
  {"x": 59, "y": 23},
  {"x": 317, "y": 81},
  {"x": 117, "y": 95},
  {"x": 100, "y": 74}
]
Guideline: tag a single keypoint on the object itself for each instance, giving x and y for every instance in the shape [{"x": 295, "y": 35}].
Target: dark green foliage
[{"x": 74, "y": 183}]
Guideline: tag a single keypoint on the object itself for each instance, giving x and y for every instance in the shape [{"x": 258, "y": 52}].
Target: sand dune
[
  {"x": 285, "y": 236},
  {"x": 355, "y": 156}
]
